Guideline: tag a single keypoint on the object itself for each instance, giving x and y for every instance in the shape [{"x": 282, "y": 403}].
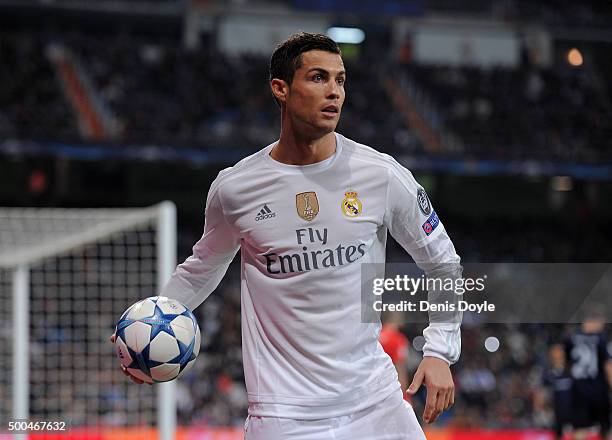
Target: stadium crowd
[
  {"x": 560, "y": 113},
  {"x": 32, "y": 105},
  {"x": 163, "y": 94}
]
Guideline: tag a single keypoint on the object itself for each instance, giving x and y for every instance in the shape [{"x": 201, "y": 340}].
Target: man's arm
[
  {"x": 196, "y": 278},
  {"x": 414, "y": 224}
]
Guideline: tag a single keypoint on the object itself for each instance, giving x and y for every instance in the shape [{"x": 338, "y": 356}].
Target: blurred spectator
[{"x": 396, "y": 345}]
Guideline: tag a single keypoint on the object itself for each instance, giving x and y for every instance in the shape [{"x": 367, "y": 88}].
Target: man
[
  {"x": 396, "y": 345},
  {"x": 590, "y": 367},
  {"x": 306, "y": 212},
  {"x": 557, "y": 378}
]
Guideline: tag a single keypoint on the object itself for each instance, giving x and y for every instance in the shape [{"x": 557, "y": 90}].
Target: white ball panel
[
  {"x": 122, "y": 352},
  {"x": 163, "y": 348},
  {"x": 198, "y": 338},
  {"x": 183, "y": 329},
  {"x": 143, "y": 309},
  {"x": 140, "y": 375},
  {"x": 170, "y": 306},
  {"x": 165, "y": 372},
  {"x": 137, "y": 335}
]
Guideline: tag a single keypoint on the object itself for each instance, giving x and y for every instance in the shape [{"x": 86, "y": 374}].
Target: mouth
[{"x": 331, "y": 110}]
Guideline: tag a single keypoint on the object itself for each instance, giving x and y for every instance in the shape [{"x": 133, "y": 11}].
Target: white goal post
[{"x": 66, "y": 275}]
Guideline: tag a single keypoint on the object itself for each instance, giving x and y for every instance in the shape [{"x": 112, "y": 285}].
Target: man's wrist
[{"x": 433, "y": 354}]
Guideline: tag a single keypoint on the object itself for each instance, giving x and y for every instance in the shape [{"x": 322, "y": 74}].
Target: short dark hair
[{"x": 287, "y": 57}]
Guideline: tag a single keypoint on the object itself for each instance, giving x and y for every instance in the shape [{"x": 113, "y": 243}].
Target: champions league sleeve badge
[
  {"x": 351, "y": 205},
  {"x": 431, "y": 224}
]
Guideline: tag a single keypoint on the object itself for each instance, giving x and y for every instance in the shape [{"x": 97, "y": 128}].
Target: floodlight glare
[{"x": 346, "y": 35}]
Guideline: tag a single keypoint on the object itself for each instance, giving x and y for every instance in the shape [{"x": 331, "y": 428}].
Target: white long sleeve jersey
[{"x": 303, "y": 232}]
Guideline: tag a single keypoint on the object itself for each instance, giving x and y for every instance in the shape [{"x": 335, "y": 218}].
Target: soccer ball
[{"x": 157, "y": 339}]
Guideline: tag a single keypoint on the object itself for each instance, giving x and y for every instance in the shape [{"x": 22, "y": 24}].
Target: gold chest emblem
[{"x": 307, "y": 205}]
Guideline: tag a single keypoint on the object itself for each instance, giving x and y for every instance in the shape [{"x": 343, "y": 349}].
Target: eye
[
  {"x": 317, "y": 77},
  {"x": 341, "y": 81}
]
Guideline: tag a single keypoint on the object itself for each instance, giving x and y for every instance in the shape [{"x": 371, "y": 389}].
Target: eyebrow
[{"x": 320, "y": 69}]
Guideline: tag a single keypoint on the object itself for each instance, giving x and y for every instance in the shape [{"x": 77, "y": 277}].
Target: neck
[{"x": 296, "y": 149}]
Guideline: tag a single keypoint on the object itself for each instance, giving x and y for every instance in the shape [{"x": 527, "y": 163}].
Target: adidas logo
[{"x": 265, "y": 213}]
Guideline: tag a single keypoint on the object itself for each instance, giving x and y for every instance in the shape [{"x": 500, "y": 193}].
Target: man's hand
[
  {"x": 125, "y": 371},
  {"x": 436, "y": 375}
]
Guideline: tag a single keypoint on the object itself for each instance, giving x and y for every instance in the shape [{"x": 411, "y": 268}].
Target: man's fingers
[
  {"x": 417, "y": 380},
  {"x": 134, "y": 379},
  {"x": 441, "y": 401},
  {"x": 138, "y": 381},
  {"x": 436, "y": 376},
  {"x": 125, "y": 371},
  {"x": 450, "y": 398},
  {"x": 444, "y": 399},
  {"x": 431, "y": 413}
]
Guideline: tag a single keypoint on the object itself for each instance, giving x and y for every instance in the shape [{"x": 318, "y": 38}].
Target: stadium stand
[
  {"x": 558, "y": 113},
  {"x": 209, "y": 98},
  {"x": 214, "y": 99},
  {"x": 33, "y": 105}
]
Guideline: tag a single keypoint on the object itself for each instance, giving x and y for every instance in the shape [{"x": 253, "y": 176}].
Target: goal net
[{"x": 66, "y": 276}]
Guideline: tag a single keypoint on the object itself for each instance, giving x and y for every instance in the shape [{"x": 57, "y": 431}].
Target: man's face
[
  {"x": 557, "y": 356},
  {"x": 315, "y": 97}
]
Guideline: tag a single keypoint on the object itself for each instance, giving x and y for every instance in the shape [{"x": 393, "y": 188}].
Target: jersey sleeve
[
  {"x": 195, "y": 279},
  {"x": 414, "y": 224}
]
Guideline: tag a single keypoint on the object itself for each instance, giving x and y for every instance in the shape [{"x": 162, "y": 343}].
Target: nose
[{"x": 333, "y": 90}]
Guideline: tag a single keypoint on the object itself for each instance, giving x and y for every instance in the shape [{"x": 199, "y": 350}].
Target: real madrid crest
[
  {"x": 351, "y": 205},
  {"x": 307, "y": 205}
]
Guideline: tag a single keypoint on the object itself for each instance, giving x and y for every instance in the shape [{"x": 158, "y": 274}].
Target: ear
[{"x": 280, "y": 89}]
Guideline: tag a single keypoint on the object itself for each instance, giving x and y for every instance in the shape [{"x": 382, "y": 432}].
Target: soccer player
[
  {"x": 306, "y": 212},
  {"x": 558, "y": 379},
  {"x": 590, "y": 366},
  {"x": 396, "y": 345}
]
